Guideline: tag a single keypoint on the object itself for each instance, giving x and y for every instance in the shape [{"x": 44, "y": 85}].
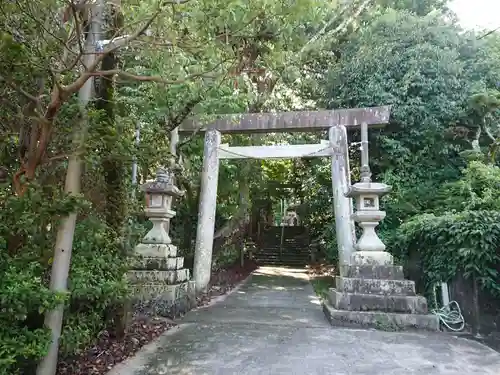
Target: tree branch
[
  {"x": 20, "y": 90},
  {"x": 343, "y": 25},
  {"x": 487, "y": 131},
  {"x": 488, "y": 33},
  {"x": 112, "y": 46},
  {"x": 141, "y": 78}
]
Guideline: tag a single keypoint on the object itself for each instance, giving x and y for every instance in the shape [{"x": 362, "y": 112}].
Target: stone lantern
[
  {"x": 368, "y": 215},
  {"x": 161, "y": 284},
  {"x": 159, "y": 196},
  {"x": 369, "y": 248},
  {"x": 371, "y": 289}
]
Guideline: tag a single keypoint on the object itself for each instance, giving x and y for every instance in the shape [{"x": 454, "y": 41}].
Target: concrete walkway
[{"x": 274, "y": 325}]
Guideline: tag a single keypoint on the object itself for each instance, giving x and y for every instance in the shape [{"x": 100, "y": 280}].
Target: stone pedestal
[
  {"x": 371, "y": 290},
  {"x": 377, "y": 295},
  {"x": 160, "y": 283}
]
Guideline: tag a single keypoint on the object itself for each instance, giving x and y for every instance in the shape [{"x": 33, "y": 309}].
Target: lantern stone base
[
  {"x": 369, "y": 271},
  {"x": 342, "y": 300},
  {"x": 160, "y": 284},
  {"x": 162, "y": 299},
  {"x": 360, "y": 258},
  {"x": 148, "y": 250},
  {"x": 169, "y": 277},
  {"x": 376, "y": 294},
  {"x": 381, "y": 320}
]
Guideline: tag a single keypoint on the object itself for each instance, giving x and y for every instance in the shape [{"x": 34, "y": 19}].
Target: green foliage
[
  {"x": 20, "y": 345},
  {"x": 327, "y": 239},
  {"x": 228, "y": 255},
  {"x": 427, "y": 70},
  {"x": 462, "y": 234},
  {"x": 322, "y": 285},
  {"x": 451, "y": 244},
  {"x": 208, "y": 57},
  {"x": 211, "y": 57},
  {"x": 476, "y": 190},
  {"x": 419, "y": 7},
  {"x": 27, "y": 229},
  {"x": 96, "y": 283},
  {"x": 414, "y": 64},
  {"x": 438, "y": 81}
]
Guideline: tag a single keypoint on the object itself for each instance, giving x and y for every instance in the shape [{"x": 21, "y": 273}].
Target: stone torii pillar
[
  {"x": 206, "y": 213},
  {"x": 341, "y": 181}
]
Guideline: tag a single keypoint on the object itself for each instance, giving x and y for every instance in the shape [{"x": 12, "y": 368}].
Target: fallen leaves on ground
[
  {"x": 320, "y": 269},
  {"x": 109, "y": 351},
  {"x": 222, "y": 281}
]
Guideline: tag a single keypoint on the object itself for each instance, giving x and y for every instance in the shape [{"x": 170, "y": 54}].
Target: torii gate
[{"x": 336, "y": 147}]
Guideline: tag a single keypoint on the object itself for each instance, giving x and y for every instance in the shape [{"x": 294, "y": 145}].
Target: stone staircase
[{"x": 295, "y": 251}]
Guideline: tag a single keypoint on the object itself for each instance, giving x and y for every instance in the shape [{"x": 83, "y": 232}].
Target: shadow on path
[{"x": 274, "y": 325}]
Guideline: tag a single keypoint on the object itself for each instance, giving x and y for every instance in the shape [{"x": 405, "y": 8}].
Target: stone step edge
[
  {"x": 278, "y": 257},
  {"x": 388, "y": 321},
  {"x": 276, "y": 253},
  {"x": 371, "y": 302},
  {"x": 342, "y": 282},
  {"x": 394, "y": 272}
]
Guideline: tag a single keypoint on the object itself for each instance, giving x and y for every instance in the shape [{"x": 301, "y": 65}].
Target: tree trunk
[
  {"x": 60, "y": 267},
  {"x": 64, "y": 241},
  {"x": 113, "y": 163}
]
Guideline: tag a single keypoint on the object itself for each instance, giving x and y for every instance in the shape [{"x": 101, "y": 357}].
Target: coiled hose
[{"x": 450, "y": 315}]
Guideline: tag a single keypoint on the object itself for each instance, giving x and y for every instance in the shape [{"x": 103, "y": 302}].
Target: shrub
[
  {"x": 453, "y": 243},
  {"x": 28, "y": 226}
]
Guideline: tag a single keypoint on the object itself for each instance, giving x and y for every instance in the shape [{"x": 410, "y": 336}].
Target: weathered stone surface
[
  {"x": 160, "y": 264},
  {"x": 179, "y": 263},
  {"x": 169, "y": 277},
  {"x": 206, "y": 212},
  {"x": 151, "y": 290},
  {"x": 381, "y": 320},
  {"x": 155, "y": 250},
  {"x": 290, "y": 121},
  {"x": 375, "y": 286},
  {"x": 377, "y": 258},
  {"x": 174, "y": 301},
  {"x": 369, "y": 271},
  {"x": 162, "y": 187},
  {"x": 375, "y": 302},
  {"x": 344, "y": 226}
]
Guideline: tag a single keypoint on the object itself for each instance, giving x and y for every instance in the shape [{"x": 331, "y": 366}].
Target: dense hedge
[
  {"x": 455, "y": 243},
  {"x": 96, "y": 282},
  {"x": 460, "y": 234}
]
